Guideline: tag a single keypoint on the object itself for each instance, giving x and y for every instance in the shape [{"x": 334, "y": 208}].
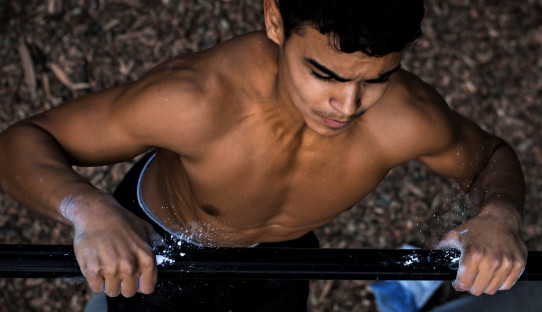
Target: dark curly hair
[{"x": 374, "y": 27}]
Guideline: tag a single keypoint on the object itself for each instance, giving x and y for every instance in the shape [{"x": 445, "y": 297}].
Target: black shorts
[{"x": 210, "y": 295}]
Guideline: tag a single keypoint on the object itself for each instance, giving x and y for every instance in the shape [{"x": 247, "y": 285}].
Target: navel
[{"x": 210, "y": 210}]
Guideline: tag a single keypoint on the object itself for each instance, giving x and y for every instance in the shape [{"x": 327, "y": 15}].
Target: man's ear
[{"x": 273, "y": 21}]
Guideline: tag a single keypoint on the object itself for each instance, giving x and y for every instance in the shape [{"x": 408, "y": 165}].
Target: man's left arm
[{"x": 493, "y": 253}]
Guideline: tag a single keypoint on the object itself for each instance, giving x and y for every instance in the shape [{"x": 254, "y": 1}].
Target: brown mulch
[{"x": 483, "y": 56}]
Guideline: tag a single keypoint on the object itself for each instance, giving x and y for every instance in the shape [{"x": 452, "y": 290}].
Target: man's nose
[{"x": 348, "y": 101}]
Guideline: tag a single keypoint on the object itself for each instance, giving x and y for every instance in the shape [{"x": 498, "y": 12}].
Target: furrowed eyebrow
[
  {"x": 384, "y": 76},
  {"x": 333, "y": 75},
  {"x": 326, "y": 70}
]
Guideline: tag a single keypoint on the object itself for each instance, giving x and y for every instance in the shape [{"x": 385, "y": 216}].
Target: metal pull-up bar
[{"x": 262, "y": 263}]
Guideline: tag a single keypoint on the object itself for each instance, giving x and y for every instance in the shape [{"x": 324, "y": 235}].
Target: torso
[
  {"x": 271, "y": 193},
  {"x": 261, "y": 181}
]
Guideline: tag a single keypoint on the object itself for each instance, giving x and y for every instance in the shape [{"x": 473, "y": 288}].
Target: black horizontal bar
[{"x": 262, "y": 263}]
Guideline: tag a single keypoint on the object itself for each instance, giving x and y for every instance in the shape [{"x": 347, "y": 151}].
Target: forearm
[
  {"x": 35, "y": 171},
  {"x": 500, "y": 187}
]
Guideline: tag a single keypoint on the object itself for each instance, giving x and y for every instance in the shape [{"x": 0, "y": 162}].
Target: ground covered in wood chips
[{"x": 482, "y": 56}]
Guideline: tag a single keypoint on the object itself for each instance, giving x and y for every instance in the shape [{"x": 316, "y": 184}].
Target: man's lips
[{"x": 335, "y": 123}]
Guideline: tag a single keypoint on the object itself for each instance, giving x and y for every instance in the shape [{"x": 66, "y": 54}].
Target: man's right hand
[{"x": 113, "y": 247}]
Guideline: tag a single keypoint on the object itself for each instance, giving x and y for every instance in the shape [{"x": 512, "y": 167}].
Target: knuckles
[
  {"x": 490, "y": 261},
  {"x": 493, "y": 264},
  {"x": 127, "y": 266},
  {"x": 146, "y": 260},
  {"x": 117, "y": 271},
  {"x": 502, "y": 268},
  {"x": 91, "y": 270},
  {"x": 519, "y": 265},
  {"x": 472, "y": 257}
]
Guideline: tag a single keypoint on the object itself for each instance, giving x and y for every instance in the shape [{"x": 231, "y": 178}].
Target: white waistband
[
  {"x": 151, "y": 215},
  {"x": 155, "y": 219}
]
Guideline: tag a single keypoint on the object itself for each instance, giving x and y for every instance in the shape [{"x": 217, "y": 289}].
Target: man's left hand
[{"x": 493, "y": 254}]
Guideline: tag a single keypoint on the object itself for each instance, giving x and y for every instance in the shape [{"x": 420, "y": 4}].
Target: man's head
[
  {"x": 336, "y": 56},
  {"x": 374, "y": 27}
]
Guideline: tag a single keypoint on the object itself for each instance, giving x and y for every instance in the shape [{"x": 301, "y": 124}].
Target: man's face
[{"x": 329, "y": 88}]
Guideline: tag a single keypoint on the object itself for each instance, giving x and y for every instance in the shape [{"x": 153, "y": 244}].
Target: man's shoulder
[
  {"x": 411, "y": 93},
  {"x": 219, "y": 72},
  {"x": 412, "y": 101},
  {"x": 412, "y": 119},
  {"x": 201, "y": 93}
]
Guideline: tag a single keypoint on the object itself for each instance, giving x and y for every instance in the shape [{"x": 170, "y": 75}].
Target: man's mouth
[{"x": 336, "y": 124}]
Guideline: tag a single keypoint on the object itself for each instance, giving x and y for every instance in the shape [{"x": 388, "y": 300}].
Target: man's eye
[
  {"x": 383, "y": 80},
  {"x": 324, "y": 78}
]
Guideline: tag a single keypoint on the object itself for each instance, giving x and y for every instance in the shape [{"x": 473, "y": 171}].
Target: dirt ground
[{"x": 482, "y": 56}]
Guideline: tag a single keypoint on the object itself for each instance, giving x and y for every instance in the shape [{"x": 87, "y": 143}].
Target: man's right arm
[
  {"x": 36, "y": 172},
  {"x": 112, "y": 246}
]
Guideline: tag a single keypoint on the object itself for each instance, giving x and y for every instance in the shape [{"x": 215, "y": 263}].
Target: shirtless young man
[{"x": 262, "y": 139}]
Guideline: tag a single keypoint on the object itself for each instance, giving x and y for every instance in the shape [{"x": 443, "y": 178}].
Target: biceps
[
  {"x": 463, "y": 155},
  {"x": 88, "y": 131}
]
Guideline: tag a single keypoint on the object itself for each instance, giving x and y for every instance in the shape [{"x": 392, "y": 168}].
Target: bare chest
[{"x": 264, "y": 180}]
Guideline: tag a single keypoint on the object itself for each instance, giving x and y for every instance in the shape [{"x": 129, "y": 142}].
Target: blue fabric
[{"x": 391, "y": 296}]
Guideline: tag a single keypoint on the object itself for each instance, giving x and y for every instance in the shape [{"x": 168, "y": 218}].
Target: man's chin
[{"x": 328, "y": 131}]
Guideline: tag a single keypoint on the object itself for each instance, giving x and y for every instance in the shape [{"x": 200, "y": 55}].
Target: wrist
[
  {"x": 506, "y": 213},
  {"x": 82, "y": 205}
]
